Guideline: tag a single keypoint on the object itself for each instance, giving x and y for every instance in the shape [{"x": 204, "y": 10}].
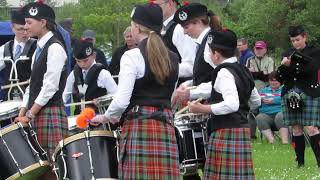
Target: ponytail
[
  {"x": 214, "y": 21},
  {"x": 158, "y": 56}
]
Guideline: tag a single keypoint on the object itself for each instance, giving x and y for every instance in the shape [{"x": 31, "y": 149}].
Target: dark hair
[
  {"x": 272, "y": 75},
  {"x": 209, "y": 19},
  {"x": 225, "y": 53}
]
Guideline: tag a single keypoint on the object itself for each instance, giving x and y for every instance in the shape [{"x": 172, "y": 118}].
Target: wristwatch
[{"x": 30, "y": 115}]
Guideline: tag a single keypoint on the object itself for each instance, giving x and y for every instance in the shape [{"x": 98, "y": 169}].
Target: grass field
[{"x": 276, "y": 162}]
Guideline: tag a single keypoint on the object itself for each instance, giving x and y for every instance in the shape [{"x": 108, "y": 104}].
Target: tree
[{"x": 107, "y": 18}]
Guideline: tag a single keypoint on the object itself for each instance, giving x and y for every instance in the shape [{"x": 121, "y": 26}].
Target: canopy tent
[{"x": 6, "y": 33}]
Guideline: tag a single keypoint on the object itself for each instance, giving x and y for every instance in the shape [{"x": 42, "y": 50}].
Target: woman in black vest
[
  {"x": 148, "y": 147},
  {"x": 42, "y": 102},
  {"x": 229, "y": 153},
  {"x": 300, "y": 75}
]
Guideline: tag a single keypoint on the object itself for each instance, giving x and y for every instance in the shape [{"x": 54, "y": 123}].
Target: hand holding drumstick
[{"x": 187, "y": 107}]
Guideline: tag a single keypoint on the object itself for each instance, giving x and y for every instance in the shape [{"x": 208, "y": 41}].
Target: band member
[
  {"x": 42, "y": 103},
  {"x": 301, "y": 92},
  {"x": 148, "y": 146},
  {"x": 176, "y": 40},
  {"x": 196, "y": 21},
  {"x": 232, "y": 87},
  {"x": 88, "y": 80},
  {"x": 21, "y": 46}
]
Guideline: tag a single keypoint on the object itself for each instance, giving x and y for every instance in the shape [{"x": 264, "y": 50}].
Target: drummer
[
  {"x": 232, "y": 88},
  {"x": 88, "y": 80},
  {"x": 147, "y": 78},
  {"x": 42, "y": 103},
  {"x": 22, "y": 45}
]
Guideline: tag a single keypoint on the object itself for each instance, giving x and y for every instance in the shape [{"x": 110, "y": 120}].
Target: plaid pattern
[
  {"x": 309, "y": 116},
  {"x": 51, "y": 126},
  {"x": 229, "y": 155},
  {"x": 148, "y": 148}
]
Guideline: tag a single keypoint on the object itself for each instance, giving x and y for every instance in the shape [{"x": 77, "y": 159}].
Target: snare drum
[
  {"x": 86, "y": 155},
  {"x": 20, "y": 157},
  {"x": 103, "y": 102},
  {"x": 9, "y": 109},
  {"x": 192, "y": 140}
]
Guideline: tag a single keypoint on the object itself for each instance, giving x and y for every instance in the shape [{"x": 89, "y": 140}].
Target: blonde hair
[{"x": 158, "y": 56}]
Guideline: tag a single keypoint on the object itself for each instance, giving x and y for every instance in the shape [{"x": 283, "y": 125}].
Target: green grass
[{"x": 277, "y": 162}]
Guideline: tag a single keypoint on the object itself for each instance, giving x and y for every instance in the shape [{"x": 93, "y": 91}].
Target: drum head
[{"x": 9, "y": 109}]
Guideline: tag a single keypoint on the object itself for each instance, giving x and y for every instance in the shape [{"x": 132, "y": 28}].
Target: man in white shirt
[
  {"x": 88, "y": 80},
  {"x": 21, "y": 46}
]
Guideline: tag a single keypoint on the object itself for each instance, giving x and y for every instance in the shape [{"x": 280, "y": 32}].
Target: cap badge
[
  {"x": 132, "y": 12},
  {"x": 183, "y": 16},
  {"x": 33, "y": 11},
  {"x": 88, "y": 51},
  {"x": 209, "y": 39}
]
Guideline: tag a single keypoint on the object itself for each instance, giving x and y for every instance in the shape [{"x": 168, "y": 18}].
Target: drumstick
[
  {"x": 14, "y": 85},
  {"x": 191, "y": 87},
  {"x": 186, "y": 108},
  {"x": 78, "y": 103}
]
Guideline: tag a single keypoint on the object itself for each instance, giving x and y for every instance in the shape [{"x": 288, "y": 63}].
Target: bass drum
[
  {"x": 21, "y": 156},
  {"x": 86, "y": 155}
]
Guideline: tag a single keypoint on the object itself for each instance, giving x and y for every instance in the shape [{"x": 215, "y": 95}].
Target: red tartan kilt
[
  {"x": 148, "y": 150},
  {"x": 229, "y": 155},
  {"x": 51, "y": 126}
]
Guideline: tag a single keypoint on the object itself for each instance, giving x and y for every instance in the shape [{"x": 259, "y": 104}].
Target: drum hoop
[
  {"x": 16, "y": 108},
  {"x": 188, "y": 115},
  {"x": 10, "y": 128},
  {"x": 29, "y": 169},
  {"x": 79, "y": 136}
]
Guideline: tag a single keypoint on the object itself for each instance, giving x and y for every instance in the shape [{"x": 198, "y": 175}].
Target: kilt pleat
[
  {"x": 148, "y": 151},
  {"x": 229, "y": 155},
  {"x": 51, "y": 126},
  {"x": 309, "y": 116}
]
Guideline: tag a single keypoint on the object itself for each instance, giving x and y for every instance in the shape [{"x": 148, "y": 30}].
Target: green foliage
[
  {"x": 107, "y": 18},
  {"x": 254, "y": 19}
]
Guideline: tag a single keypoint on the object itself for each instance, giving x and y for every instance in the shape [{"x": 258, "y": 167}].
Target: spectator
[
  {"x": 90, "y": 35},
  {"x": 245, "y": 52},
  {"x": 260, "y": 65},
  {"x": 270, "y": 115},
  {"x": 114, "y": 66}
]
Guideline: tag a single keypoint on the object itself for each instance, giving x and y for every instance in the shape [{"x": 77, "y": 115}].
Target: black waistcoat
[
  {"x": 93, "y": 90},
  {"x": 23, "y": 66},
  {"x": 38, "y": 70},
  {"x": 201, "y": 69},
  {"x": 245, "y": 85},
  {"x": 147, "y": 91}
]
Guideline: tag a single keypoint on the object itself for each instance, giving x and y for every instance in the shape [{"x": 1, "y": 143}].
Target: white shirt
[
  {"x": 225, "y": 84},
  {"x": 15, "y": 43},
  {"x": 132, "y": 67},
  {"x": 104, "y": 80},
  {"x": 56, "y": 59},
  {"x": 186, "y": 48}
]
